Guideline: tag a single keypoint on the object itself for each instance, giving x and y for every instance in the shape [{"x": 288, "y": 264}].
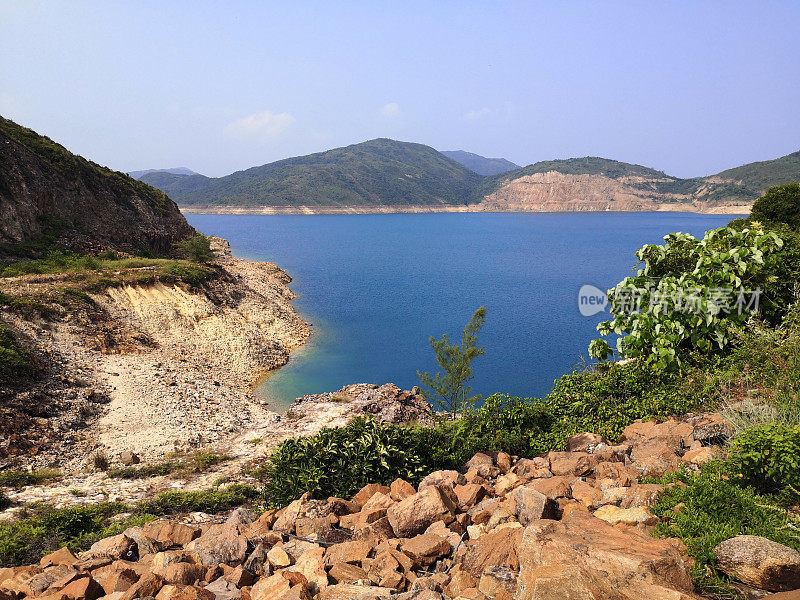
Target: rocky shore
[{"x": 571, "y": 525}]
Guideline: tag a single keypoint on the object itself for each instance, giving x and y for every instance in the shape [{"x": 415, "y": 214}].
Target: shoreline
[{"x": 414, "y": 209}]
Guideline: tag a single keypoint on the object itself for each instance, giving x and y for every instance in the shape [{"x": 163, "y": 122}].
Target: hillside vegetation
[
  {"x": 42, "y": 182},
  {"x": 480, "y": 164},
  {"x": 379, "y": 172}
]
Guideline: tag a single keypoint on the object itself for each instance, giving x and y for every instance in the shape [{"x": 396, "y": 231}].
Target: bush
[
  {"x": 196, "y": 248},
  {"x": 779, "y": 204},
  {"x": 711, "y": 508},
  {"x": 690, "y": 296},
  {"x": 339, "y": 462},
  {"x": 209, "y": 501},
  {"x": 20, "y": 479},
  {"x": 768, "y": 457},
  {"x": 15, "y": 360}
]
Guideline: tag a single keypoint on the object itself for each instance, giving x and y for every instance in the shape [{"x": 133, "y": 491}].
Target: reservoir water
[{"x": 376, "y": 287}]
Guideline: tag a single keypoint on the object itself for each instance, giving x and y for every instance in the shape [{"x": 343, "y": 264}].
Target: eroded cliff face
[
  {"x": 558, "y": 192},
  {"x": 40, "y": 181}
]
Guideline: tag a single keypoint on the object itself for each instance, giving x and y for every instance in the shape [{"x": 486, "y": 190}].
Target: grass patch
[
  {"x": 199, "y": 461},
  {"x": 712, "y": 507},
  {"x": 142, "y": 472},
  {"x": 44, "y": 528},
  {"x": 20, "y": 479},
  {"x": 15, "y": 360}
]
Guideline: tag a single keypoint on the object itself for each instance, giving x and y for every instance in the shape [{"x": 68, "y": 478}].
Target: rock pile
[{"x": 565, "y": 525}]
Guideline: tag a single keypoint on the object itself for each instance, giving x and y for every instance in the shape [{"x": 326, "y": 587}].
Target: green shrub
[
  {"x": 209, "y": 501},
  {"x": 690, "y": 296},
  {"x": 20, "y": 479},
  {"x": 768, "y": 457},
  {"x": 196, "y": 248},
  {"x": 339, "y": 462},
  {"x": 143, "y": 471},
  {"x": 779, "y": 204},
  {"x": 15, "y": 360},
  {"x": 713, "y": 507}
]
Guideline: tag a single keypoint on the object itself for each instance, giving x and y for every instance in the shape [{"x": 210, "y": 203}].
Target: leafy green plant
[
  {"x": 712, "y": 507},
  {"x": 690, "y": 296},
  {"x": 768, "y": 457},
  {"x": 779, "y": 204},
  {"x": 339, "y": 462},
  {"x": 196, "y": 248},
  {"x": 449, "y": 390}
]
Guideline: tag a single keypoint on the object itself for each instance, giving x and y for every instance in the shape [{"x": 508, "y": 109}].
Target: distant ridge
[
  {"x": 172, "y": 171},
  {"x": 380, "y": 172},
  {"x": 385, "y": 175},
  {"x": 481, "y": 164}
]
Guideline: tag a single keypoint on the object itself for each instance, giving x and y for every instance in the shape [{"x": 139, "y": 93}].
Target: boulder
[
  {"x": 577, "y": 464},
  {"x": 62, "y": 556},
  {"x": 470, "y": 494},
  {"x": 759, "y": 562},
  {"x": 451, "y": 478},
  {"x": 401, "y": 489},
  {"x": 349, "y": 591},
  {"x": 85, "y": 588},
  {"x": 278, "y": 558},
  {"x": 220, "y": 544},
  {"x": 147, "y": 587},
  {"x": 416, "y": 513},
  {"x": 553, "y": 487},
  {"x": 531, "y": 505},
  {"x": 343, "y": 572},
  {"x": 425, "y": 549},
  {"x": 582, "y": 557},
  {"x": 585, "y": 442},
  {"x": 625, "y": 516},
  {"x": 171, "y": 534},
  {"x": 494, "y": 549},
  {"x": 118, "y": 546},
  {"x": 224, "y": 590},
  {"x": 368, "y": 491},
  {"x": 128, "y": 458}
]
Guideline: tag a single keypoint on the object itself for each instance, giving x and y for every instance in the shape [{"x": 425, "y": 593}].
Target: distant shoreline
[{"x": 477, "y": 208}]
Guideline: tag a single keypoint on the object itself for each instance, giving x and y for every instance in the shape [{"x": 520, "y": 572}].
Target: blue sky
[{"x": 687, "y": 87}]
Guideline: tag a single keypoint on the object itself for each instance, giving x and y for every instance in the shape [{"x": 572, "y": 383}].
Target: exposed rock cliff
[{"x": 41, "y": 181}]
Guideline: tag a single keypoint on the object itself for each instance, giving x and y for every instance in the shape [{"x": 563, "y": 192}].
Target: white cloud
[
  {"x": 475, "y": 115},
  {"x": 265, "y": 125},
  {"x": 392, "y": 109}
]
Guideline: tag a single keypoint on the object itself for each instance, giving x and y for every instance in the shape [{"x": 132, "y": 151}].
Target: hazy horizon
[{"x": 689, "y": 89}]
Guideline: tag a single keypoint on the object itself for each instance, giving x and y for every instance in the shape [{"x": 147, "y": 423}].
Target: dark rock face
[{"x": 41, "y": 181}]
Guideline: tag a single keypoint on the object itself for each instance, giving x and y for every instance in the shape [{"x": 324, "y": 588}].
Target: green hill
[
  {"x": 379, "y": 172},
  {"x": 758, "y": 176},
  {"x": 480, "y": 164}
]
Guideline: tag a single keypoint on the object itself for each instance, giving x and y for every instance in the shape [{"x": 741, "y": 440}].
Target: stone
[
  {"x": 440, "y": 529},
  {"x": 368, "y": 491},
  {"x": 506, "y": 483},
  {"x": 416, "y": 513},
  {"x": 240, "y": 577},
  {"x": 118, "y": 546},
  {"x": 699, "y": 456},
  {"x": 582, "y": 557},
  {"x": 287, "y": 517},
  {"x": 118, "y": 580},
  {"x": 759, "y": 562},
  {"x": 585, "y": 442},
  {"x": 625, "y": 516},
  {"x": 449, "y": 478},
  {"x": 478, "y": 460},
  {"x": 553, "y": 487},
  {"x": 311, "y": 565},
  {"x": 85, "y": 588},
  {"x": 492, "y": 549},
  {"x": 586, "y": 494},
  {"x": 261, "y": 526},
  {"x": 639, "y": 495},
  {"x": 710, "y": 428},
  {"x": 425, "y": 549},
  {"x": 269, "y": 588},
  {"x": 343, "y": 572},
  {"x": 278, "y": 557},
  {"x": 62, "y": 556},
  {"x": 497, "y": 579},
  {"x": 460, "y": 581},
  {"x": 183, "y": 592},
  {"x": 502, "y": 461},
  {"x": 147, "y": 587},
  {"x": 401, "y": 489},
  {"x": 470, "y": 494},
  {"x": 624, "y": 475},
  {"x": 220, "y": 544},
  {"x": 531, "y": 504},
  {"x": 171, "y": 534},
  {"x": 44, "y": 580},
  {"x": 317, "y": 528},
  {"x": 256, "y": 561},
  {"x": 224, "y": 590},
  {"x": 182, "y": 573},
  {"x": 348, "y": 552},
  {"x": 128, "y": 458},
  {"x": 241, "y": 516},
  {"x": 578, "y": 464},
  {"x": 349, "y": 591}
]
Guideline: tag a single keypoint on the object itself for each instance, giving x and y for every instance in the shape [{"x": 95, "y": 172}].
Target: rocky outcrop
[
  {"x": 501, "y": 527},
  {"x": 759, "y": 562},
  {"x": 41, "y": 181}
]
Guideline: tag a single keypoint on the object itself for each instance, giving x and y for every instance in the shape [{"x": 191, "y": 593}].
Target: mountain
[
  {"x": 41, "y": 182},
  {"x": 599, "y": 184},
  {"x": 173, "y": 171},
  {"x": 380, "y": 172},
  {"x": 481, "y": 164}
]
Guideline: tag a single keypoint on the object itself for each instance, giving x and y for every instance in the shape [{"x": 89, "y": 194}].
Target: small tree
[
  {"x": 196, "y": 248},
  {"x": 449, "y": 390},
  {"x": 779, "y": 204}
]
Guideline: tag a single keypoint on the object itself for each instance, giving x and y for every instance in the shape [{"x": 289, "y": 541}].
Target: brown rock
[
  {"x": 493, "y": 549},
  {"x": 368, "y": 491},
  {"x": 470, "y": 494},
  {"x": 184, "y": 592},
  {"x": 224, "y": 590},
  {"x": 346, "y": 573},
  {"x": 426, "y": 548},
  {"x": 449, "y": 478},
  {"x": 220, "y": 544},
  {"x": 640, "y": 495},
  {"x": 114, "y": 547},
  {"x": 261, "y": 526},
  {"x": 587, "y": 494},
  {"x": 497, "y": 579},
  {"x": 585, "y": 442},
  {"x": 699, "y": 456},
  {"x": 62, "y": 556},
  {"x": 348, "y": 552},
  {"x": 349, "y": 591},
  {"x": 460, "y": 581},
  {"x": 182, "y": 573},
  {"x": 287, "y": 517},
  {"x": 625, "y": 516},
  {"x": 171, "y": 534},
  {"x": 759, "y": 562},
  {"x": 44, "y": 580},
  {"x": 240, "y": 577},
  {"x": 270, "y": 588},
  {"x": 479, "y": 460},
  {"x": 401, "y": 489},
  {"x": 505, "y": 483},
  {"x": 278, "y": 557},
  {"x": 530, "y": 505},
  {"x": 416, "y": 513},
  {"x": 578, "y": 464},
  {"x": 553, "y": 487},
  {"x": 118, "y": 580},
  {"x": 710, "y": 428},
  {"x": 147, "y": 586},
  {"x": 85, "y": 588},
  {"x": 581, "y": 557},
  {"x": 503, "y": 462}
]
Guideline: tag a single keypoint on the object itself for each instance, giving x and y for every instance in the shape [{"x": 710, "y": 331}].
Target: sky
[{"x": 687, "y": 87}]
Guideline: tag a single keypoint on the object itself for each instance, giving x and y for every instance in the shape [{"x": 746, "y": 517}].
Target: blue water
[{"x": 376, "y": 287}]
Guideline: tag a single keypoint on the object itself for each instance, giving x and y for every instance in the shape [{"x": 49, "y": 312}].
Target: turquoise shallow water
[{"x": 376, "y": 287}]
